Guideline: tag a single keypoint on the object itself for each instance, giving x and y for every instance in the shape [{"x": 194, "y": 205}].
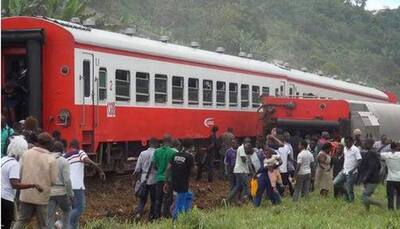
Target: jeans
[
  {"x": 78, "y": 206},
  {"x": 393, "y": 187},
  {"x": 302, "y": 186},
  {"x": 241, "y": 184},
  {"x": 64, "y": 203},
  {"x": 150, "y": 190},
  {"x": 7, "y": 213},
  {"x": 183, "y": 203},
  {"x": 369, "y": 189},
  {"x": 349, "y": 181},
  {"x": 263, "y": 186},
  {"x": 232, "y": 180},
  {"x": 26, "y": 212},
  {"x": 163, "y": 201}
]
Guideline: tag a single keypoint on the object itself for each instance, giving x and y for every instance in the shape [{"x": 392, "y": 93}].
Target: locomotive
[{"x": 114, "y": 91}]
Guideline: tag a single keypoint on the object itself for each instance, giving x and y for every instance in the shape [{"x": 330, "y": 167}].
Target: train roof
[{"x": 118, "y": 41}]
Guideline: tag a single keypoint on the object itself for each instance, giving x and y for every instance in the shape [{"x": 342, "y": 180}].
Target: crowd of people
[{"x": 41, "y": 172}]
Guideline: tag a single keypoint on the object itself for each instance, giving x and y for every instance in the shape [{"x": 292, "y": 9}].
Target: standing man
[
  {"x": 211, "y": 152},
  {"x": 241, "y": 171},
  {"x": 180, "y": 168},
  {"x": 37, "y": 167},
  {"x": 392, "y": 160},
  {"x": 161, "y": 158},
  {"x": 337, "y": 165},
  {"x": 284, "y": 152},
  {"x": 145, "y": 172},
  {"x": 61, "y": 193},
  {"x": 348, "y": 176},
  {"x": 305, "y": 165},
  {"x": 369, "y": 174},
  {"x": 229, "y": 161},
  {"x": 226, "y": 143},
  {"x": 77, "y": 159}
]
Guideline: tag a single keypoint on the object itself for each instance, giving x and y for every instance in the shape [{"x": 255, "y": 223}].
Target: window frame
[
  {"x": 138, "y": 94},
  {"x": 242, "y": 101},
  {"x": 128, "y": 80},
  {"x": 195, "y": 89},
  {"x": 208, "y": 103},
  {"x": 86, "y": 78},
  {"x": 236, "y": 91},
  {"x": 161, "y": 77},
  {"x": 182, "y": 88},
  {"x": 104, "y": 70},
  {"x": 253, "y": 103},
  {"x": 219, "y": 103}
]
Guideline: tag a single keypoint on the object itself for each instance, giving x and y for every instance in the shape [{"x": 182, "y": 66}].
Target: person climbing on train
[
  {"x": 161, "y": 158},
  {"x": 77, "y": 159}
]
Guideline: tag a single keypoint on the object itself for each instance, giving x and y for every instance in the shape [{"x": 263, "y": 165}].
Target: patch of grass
[{"x": 316, "y": 212}]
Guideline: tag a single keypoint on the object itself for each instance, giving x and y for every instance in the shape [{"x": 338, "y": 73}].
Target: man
[
  {"x": 180, "y": 168},
  {"x": 357, "y": 138},
  {"x": 348, "y": 176},
  {"x": 161, "y": 158},
  {"x": 392, "y": 160},
  {"x": 10, "y": 179},
  {"x": 291, "y": 162},
  {"x": 37, "y": 167},
  {"x": 383, "y": 145},
  {"x": 229, "y": 161},
  {"x": 211, "y": 152},
  {"x": 61, "y": 192},
  {"x": 284, "y": 152},
  {"x": 305, "y": 165},
  {"x": 146, "y": 172},
  {"x": 226, "y": 141},
  {"x": 369, "y": 174},
  {"x": 77, "y": 159},
  {"x": 241, "y": 171},
  {"x": 337, "y": 166},
  {"x": 324, "y": 139}
]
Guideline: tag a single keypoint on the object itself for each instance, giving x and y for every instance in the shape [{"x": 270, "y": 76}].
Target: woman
[
  {"x": 10, "y": 179},
  {"x": 324, "y": 176}
]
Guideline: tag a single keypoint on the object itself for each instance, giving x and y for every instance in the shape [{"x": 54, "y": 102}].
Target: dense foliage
[{"x": 334, "y": 36}]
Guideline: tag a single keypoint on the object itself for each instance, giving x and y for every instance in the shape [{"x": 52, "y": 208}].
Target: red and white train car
[{"x": 103, "y": 87}]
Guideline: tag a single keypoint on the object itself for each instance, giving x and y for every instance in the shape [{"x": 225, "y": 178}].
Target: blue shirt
[{"x": 230, "y": 157}]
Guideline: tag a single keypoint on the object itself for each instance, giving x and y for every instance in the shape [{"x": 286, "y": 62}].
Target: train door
[
  {"x": 21, "y": 76},
  {"x": 89, "y": 100}
]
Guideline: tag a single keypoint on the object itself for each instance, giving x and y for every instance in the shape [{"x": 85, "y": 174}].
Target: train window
[
  {"x": 160, "y": 92},
  {"x": 265, "y": 91},
  {"x": 276, "y": 92},
  {"x": 193, "y": 91},
  {"x": 142, "y": 86},
  {"x": 233, "y": 94},
  {"x": 244, "y": 95},
  {"x": 255, "y": 95},
  {"x": 290, "y": 91},
  {"x": 86, "y": 77},
  {"x": 102, "y": 84},
  {"x": 207, "y": 92},
  {"x": 177, "y": 89},
  {"x": 122, "y": 85},
  {"x": 221, "y": 91}
]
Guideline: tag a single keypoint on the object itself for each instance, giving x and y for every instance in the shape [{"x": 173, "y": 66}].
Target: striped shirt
[{"x": 77, "y": 168}]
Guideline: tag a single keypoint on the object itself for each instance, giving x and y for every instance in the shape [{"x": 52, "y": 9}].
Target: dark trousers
[
  {"x": 208, "y": 164},
  {"x": 150, "y": 191},
  {"x": 392, "y": 190},
  {"x": 7, "y": 213},
  {"x": 163, "y": 201},
  {"x": 286, "y": 182}
]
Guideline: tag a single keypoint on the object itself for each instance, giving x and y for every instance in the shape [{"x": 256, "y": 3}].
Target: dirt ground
[{"x": 114, "y": 198}]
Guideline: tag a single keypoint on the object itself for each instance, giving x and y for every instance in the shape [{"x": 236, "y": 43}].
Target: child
[{"x": 275, "y": 179}]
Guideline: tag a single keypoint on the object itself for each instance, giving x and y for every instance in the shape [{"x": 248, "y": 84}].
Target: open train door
[{"x": 21, "y": 64}]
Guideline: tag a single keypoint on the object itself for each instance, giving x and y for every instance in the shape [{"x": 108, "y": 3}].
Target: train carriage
[{"x": 109, "y": 89}]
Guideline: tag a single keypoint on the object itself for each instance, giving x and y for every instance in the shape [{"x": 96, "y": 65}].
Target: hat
[
  {"x": 270, "y": 162},
  {"x": 357, "y": 132}
]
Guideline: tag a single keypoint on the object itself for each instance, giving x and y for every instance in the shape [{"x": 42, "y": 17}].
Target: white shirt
[
  {"x": 378, "y": 146},
  {"x": 240, "y": 166},
  {"x": 305, "y": 158},
  {"x": 284, "y": 152},
  {"x": 255, "y": 161},
  {"x": 143, "y": 165},
  {"x": 9, "y": 170},
  {"x": 77, "y": 169},
  {"x": 393, "y": 164},
  {"x": 351, "y": 157}
]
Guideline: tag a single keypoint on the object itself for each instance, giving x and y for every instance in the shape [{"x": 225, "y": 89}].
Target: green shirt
[
  {"x": 6, "y": 132},
  {"x": 162, "y": 157}
]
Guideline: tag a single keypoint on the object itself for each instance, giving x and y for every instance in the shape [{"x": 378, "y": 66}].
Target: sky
[{"x": 381, "y": 4}]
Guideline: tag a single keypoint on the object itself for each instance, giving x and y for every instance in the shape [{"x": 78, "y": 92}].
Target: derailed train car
[{"x": 313, "y": 115}]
